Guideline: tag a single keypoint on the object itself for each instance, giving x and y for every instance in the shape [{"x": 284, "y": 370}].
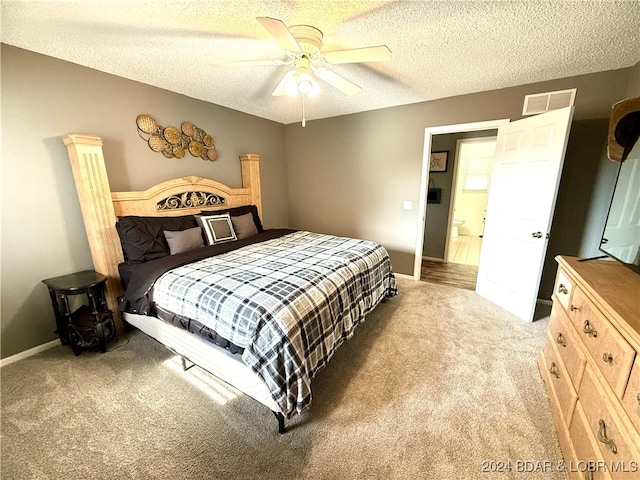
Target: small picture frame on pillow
[{"x": 217, "y": 228}]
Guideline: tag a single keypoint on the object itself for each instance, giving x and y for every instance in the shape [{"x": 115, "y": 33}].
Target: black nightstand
[{"x": 90, "y": 325}]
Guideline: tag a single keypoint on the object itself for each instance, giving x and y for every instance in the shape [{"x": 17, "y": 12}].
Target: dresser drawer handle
[
  {"x": 562, "y": 289},
  {"x": 588, "y": 330},
  {"x": 574, "y": 308},
  {"x": 607, "y": 358},
  {"x": 561, "y": 341},
  {"x": 553, "y": 370},
  {"x": 602, "y": 436}
]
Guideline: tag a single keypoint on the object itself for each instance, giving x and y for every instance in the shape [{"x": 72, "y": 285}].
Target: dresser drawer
[
  {"x": 611, "y": 353},
  {"x": 563, "y": 288},
  {"x": 631, "y": 399},
  {"x": 588, "y": 464},
  {"x": 565, "y": 338},
  {"x": 618, "y": 449},
  {"x": 579, "y": 307},
  {"x": 593, "y": 341},
  {"x": 558, "y": 379}
]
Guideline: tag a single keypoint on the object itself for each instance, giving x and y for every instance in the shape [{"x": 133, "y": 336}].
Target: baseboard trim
[
  {"x": 433, "y": 259},
  {"x": 28, "y": 353},
  {"x": 402, "y": 275}
]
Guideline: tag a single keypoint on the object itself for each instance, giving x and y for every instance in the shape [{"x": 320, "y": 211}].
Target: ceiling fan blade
[
  {"x": 378, "y": 53},
  {"x": 251, "y": 63},
  {"x": 337, "y": 81},
  {"x": 282, "y": 89},
  {"x": 280, "y": 32}
]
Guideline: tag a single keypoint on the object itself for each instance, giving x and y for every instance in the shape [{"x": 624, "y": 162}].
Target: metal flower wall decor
[{"x": 174, "y": 143}]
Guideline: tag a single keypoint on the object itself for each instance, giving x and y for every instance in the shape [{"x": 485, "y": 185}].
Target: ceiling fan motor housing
[
  {"x": 303, "y": 46},
  {"x": 309, "y": 38}
]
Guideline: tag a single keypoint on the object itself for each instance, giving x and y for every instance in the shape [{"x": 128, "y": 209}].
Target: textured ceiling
[{"x": 440, "y": 49}]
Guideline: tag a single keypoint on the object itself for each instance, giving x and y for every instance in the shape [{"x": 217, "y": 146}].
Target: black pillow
[
  {"x": 142, "y": 238},
  {"x": 237, "y": 211}
]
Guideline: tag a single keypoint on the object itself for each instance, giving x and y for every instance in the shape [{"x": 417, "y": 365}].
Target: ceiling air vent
[{"x": 544, "y": 102}]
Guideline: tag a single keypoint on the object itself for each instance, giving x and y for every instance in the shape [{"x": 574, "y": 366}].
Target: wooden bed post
[
  {"x": 94, "y": 193},
  {"x": 251, "y": 178},
  {"x": 99, "y": 212}
]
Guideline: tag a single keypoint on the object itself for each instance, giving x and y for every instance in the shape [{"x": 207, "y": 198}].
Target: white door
[{"x": 522, "y": 197}]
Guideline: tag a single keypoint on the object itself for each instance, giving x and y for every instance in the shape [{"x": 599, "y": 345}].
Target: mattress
[
  {"x": 284, "y": 304},
  {"x": 221, "y": 363}
]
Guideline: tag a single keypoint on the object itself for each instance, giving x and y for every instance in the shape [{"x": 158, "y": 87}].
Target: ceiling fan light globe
[
  {"x": 315, "y": 90},
  {"x": 305, "y": 86}
]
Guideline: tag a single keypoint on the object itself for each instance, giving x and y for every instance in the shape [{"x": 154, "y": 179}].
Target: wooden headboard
[{"x": 182, "y": 196}]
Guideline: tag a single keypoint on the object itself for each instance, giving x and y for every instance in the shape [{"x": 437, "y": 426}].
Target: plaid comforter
[{"x": 289, "y": 302}]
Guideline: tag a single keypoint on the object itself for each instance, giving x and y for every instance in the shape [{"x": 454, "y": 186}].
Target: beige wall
[
  {"x": 42, "y": 229},
  {"x": 350, "y": 175},
  {"x": 633, "y": 90},
  {"x": 347, "y": 175},
  {"x": 584, "y": 195}
]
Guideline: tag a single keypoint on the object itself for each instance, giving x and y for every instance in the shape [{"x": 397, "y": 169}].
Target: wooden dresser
[{"x": 591, "y": 366}]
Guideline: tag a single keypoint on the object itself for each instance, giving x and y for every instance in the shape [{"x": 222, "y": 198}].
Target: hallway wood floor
[{"x": 451, "y": 274}]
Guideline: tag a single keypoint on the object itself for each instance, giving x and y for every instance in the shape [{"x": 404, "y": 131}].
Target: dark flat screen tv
[{"x": 621, "y": 237}]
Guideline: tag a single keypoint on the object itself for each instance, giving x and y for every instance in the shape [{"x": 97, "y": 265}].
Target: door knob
[{"x": 536, "y": 234}]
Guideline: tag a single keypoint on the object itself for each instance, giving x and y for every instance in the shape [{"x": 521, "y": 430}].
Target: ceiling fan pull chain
[{"x": 304, "y": 122}]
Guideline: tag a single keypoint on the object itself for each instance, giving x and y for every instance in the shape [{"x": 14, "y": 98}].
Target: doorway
[
  {"x": 428, "y": 141},
  {"x": 525, "y": 179},
  {"x": 469, "y": 196}
]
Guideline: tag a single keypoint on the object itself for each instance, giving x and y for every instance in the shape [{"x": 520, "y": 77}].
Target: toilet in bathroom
[{"x": 456, "y": 224}]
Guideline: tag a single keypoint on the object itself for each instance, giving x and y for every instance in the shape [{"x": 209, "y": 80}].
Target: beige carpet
[{"x": 435, "y": 384}]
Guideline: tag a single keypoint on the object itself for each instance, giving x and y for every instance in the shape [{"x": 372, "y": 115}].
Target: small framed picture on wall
[{"x": 438, "y": 161}]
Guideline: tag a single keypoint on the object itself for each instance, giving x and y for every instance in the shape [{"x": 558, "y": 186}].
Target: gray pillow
[
  {"x": 244, "y": 226},
  {"x": 184, "y": 240},
  {"x": 143, "y": 239}
]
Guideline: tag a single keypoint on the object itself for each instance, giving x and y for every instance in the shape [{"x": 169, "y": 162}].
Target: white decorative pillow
[
  {"x": 184, "y": 240},
  {"x": 218, "y": 228}
]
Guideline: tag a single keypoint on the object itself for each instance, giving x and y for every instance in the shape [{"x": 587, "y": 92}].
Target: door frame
[{"x": 426, "y": 154}]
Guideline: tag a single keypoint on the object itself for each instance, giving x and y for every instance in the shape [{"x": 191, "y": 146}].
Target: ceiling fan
[{"x": 303, "y": 47}]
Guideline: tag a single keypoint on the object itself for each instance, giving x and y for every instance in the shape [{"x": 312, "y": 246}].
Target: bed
[{"x": 261, "y": 309}]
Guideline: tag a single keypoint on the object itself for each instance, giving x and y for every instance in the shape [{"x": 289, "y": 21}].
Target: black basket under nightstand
[{"x": 88, "y": 326}]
